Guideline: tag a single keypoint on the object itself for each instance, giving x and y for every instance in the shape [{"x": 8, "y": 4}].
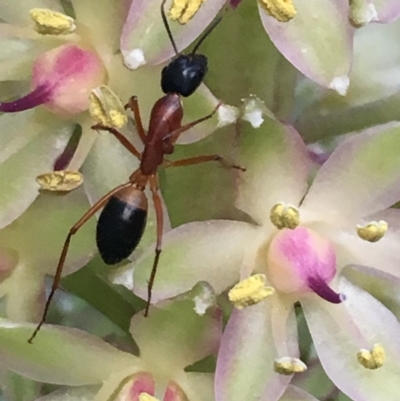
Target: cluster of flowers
[{"x": 282, "y": 280}]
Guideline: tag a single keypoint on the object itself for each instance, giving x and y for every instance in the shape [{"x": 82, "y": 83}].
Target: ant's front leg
[
  {"x": 202, "y": 159},
  {"x": 124, "y": 142}
]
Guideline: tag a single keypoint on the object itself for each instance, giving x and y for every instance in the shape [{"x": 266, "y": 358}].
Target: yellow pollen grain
[
  {"x": 283, "y": 216},
  {"x": 147, "y": 397},
  {"x": 281, "y": 10},
  {"x": 250, "y": 291},
  {"x": 373, "y": 359},
  {"x": 49, "y": 22},
  {"x": 184, "y": 10},
  {"x": 60, "y": 181},
  {"x": 373, "y": 231},
  {"x": 106, "y": 108},
  {"x": 288, "y": 366}
]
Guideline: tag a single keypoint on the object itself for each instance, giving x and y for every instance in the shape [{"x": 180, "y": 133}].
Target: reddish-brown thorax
[{"x": 166, "y": 117}]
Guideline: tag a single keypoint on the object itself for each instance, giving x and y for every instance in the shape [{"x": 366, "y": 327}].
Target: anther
[
  {"x": 281, "y": 10},
  {"x": 373, "y": 359},
  {"x": 49, "y": 22},
  {"x": 184, "y": 10},
  {"x": 373, "y": 231},
  {"x": 285, "y": 216},
  {"x": 106, "y": 108},
  {"x": 289, "y": 366},
  {"x": 250, "y": 291},
  {"x": 147, "y": 397},
  {"x": 60, "y": 181}
]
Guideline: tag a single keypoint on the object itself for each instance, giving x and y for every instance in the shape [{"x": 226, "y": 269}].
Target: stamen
[
  {"x": 106, "y": 108},
  {"x": 184, "y": 10},
  {"x": 373, "y": 359},
  {"x": 373, "y": 231},
  {"x": 250, "y": 291},
  {"x": 60, "y": 181},
  {"x": 147, "y": 397},
  {"x": 283, "y": 216},
  {"x": 281, "y": 10},
  {"x": 289, "y": 366},
  {"x": 49, "y": 22},
  {"x": 40, "y": 95}
]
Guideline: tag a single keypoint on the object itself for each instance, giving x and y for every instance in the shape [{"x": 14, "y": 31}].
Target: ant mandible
[{"x": 123, "y": 219}]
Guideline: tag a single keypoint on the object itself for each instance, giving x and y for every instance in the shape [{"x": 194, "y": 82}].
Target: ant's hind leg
[
  {"x": 74, "y": 229},
  {"x": 133, "y": 104}
]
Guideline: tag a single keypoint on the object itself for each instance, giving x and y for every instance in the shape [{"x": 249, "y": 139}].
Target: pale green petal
[
  {"x": 104, "y": 20},
  {"x": 25, "y": 293},
  {"x": 197, "y": 386},
  {"x": 211, "y": 251},
  {"x": 186, "y": 336},
  {"x": 277, "y": 167},
  {"x": 18, "y": 129},
  {"x": 340, "y": 331},
  {"x": 361, "y": 177},
  {"x": 372, "y": 97},
  {"x": 317, "y": 41},
  {"x": 71, "y": 394},
  {"x": 252, "y": 340},
  {"x": 296, "y": 394},
  {"x": 145, "y": 32},
  {"x": 38, "y": 235},
  {"x": 60, "y": 355},
  {"x": 18, "y": 173}
]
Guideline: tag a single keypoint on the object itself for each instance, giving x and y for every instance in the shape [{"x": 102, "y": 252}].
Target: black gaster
[{"x": 119, "y": 230}]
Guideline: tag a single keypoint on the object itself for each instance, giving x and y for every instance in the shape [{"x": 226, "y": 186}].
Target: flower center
[
  {"x": 300, "y": 261},
  {"x": 142, "y": 387},
  {"x": 62, "y": 81}
]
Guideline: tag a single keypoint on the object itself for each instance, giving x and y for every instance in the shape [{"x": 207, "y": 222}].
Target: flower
[
  {"x": 303, "y": 262},
  {"x": 173, "y": 337},
  {"x": 372, "y": 97},
  {"x": 67, "y": 57},
  {"x": 72, "y": 55},
  {"x": 301, "y": 31}
]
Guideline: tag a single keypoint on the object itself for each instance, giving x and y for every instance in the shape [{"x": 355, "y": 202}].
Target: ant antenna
[
  {"x": 164, "y": 18},
  {"x": 209, "y": 29}
]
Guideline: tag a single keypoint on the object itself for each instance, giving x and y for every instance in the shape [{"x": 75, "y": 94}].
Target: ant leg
[
  {"x": 131, "y": 148},
  {"x": 202, "y": 159},
  {"x": 174, "y": 135},
  {"x": 160, "y": 225},
  {"x": 57, "y": 277},
  {"x": 133, "y": 104}
]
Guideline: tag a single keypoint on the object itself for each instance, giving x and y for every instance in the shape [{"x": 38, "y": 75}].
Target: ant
[{"x": 123, "y": 219}]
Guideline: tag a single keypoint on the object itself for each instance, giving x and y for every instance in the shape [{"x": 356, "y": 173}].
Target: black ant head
[{"x": 184, "y": 74}]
